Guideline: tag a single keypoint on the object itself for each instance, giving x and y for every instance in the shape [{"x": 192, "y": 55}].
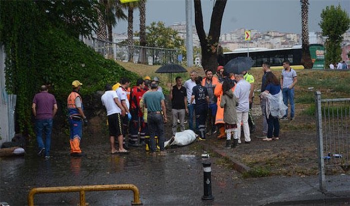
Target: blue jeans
[
  {"x": 190, "y": 117},
  {"x": 43, "y": 126},
  {"x": 273, "y": 126},
  {"x": 201, "y": 117},
  {"x": 288, "y": 94},
  {"x": 156, "y": 125}
]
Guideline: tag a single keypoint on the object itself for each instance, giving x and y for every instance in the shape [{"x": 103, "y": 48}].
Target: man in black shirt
[
  {"x": 200, "y": 95},
  {"x": 178, "y": 97}
]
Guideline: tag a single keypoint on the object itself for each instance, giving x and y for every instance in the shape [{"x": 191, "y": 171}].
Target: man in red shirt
[{"x": 136, "y": 113}]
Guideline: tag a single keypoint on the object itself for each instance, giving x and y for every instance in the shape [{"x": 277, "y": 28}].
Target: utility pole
[{"x": 189, "y": 33}]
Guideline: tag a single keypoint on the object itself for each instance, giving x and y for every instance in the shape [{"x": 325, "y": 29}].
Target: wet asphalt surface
[{"x": 173, "y": 179}]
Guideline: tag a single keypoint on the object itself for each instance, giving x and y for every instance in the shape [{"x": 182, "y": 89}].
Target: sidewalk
[{"x": 284, "y": 190}]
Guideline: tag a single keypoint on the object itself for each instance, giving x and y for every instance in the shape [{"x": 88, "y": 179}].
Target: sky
[{"x": 262, "y": 15}]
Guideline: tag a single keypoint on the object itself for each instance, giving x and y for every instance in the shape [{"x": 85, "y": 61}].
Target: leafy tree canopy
[
  {"x": 158, "y": 35},
  {"x": 76, "y": 17},
  {"x": 334, "y": 23}
]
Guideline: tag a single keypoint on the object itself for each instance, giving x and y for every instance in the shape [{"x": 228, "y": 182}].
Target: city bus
[{"x": 276, "y": 56}]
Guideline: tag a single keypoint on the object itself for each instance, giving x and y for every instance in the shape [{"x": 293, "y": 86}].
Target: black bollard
[{"x": 207, "y": 181}]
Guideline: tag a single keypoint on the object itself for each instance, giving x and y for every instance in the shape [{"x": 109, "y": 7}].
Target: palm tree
[
  {"x": 143, "y": 41},
  {"x": 101, "y": 31},
  {"x": 110, "y": 11},
  {"x": 306, "y": 58},
  {"x": 131, "y": 7}
]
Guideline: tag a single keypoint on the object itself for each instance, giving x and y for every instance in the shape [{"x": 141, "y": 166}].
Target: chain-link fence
[
  {"x": 136, "y": 54},
  {"x": 333, "y": 132}
]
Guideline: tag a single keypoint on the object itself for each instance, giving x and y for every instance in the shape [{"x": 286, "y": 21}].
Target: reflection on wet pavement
[{"x": 175, "y": 178}]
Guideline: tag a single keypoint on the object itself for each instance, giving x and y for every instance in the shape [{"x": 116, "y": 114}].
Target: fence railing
[
  {"x": 82, "y": 189},
  {"x": 333, "y": 132},
  {"x": 137, "y": 54}
]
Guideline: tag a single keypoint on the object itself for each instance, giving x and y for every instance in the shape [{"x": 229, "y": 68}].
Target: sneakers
[
  {"x": 284, "y": 118},
  {"x": 41, "y": 152},
  {"x": 292, "y": 118},
  {"x": 267, "y": 139},
  {"x": 262, "y": 137}
]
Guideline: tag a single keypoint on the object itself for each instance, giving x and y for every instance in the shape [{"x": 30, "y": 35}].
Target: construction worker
[
  {"x": 147, "y": 82},
  {"x": 76, "y": 116},
  {"x": 136, "y": 112}
]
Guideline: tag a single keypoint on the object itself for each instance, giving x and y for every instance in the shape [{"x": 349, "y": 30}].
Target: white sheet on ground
[{"x": 181, "y": 138}]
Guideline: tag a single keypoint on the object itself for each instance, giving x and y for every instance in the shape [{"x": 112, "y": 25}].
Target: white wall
[{"x": 7, "y": 105}]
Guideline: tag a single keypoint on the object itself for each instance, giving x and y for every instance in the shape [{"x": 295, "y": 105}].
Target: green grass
[{"x": 257, "y": 172}]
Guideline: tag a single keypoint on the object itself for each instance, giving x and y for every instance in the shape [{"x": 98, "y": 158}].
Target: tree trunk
[
  {"x": 130, "y": 33},
  {"x": 101, "y": 32},
  {"x": 143, "y": 40},
  {"x": 209, "y": 43},
  {"x": 110, "y": 39},
  {"x": 306, "y": 58}
]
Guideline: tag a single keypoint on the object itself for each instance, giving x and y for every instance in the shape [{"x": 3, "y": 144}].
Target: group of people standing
[{"x": 216, "y": 104}]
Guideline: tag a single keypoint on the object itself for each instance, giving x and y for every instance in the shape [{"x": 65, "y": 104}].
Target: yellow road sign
[
  {"x": 247, "y": 35},
  {"x": 127, "y": 1}
]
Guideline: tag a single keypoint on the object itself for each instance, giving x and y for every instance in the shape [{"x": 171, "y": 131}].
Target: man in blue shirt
[{"x": 200, "y": 95}]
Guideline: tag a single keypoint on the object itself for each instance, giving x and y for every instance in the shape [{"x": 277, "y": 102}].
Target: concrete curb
[{"x": 238, "y": 166}]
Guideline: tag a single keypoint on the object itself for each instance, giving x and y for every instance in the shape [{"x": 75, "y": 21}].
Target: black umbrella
[
  {"x": 170, "y": 69},
  {"x": 238, "y": 65}
]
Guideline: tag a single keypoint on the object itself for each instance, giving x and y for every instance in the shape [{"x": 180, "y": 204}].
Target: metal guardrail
[
  {"x": 83, "y": 189},
  {"x": 333, "y": 135},
  {"x": 139, "y": 54}
]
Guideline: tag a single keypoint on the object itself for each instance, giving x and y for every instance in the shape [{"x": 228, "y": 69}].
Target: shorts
[
  {"x": 230, "y": 126},
  {"x": 115, "y": 125}
]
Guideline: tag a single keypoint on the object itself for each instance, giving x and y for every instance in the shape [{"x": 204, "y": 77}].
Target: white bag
[{"x": 181, "y": 138}]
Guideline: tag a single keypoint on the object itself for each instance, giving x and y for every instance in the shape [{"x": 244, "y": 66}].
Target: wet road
[{"x": 173, "y": 179}]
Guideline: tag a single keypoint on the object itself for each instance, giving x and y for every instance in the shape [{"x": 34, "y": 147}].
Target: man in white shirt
[
  {"x": 122, "y": 93},
  {"x": 331, "y": 66},
  {"x": 242, "y": 92},
  {"x": 189, "y": 84},
  {"x": 339, "y": 65},
  {"x": 114, "y": 109}
]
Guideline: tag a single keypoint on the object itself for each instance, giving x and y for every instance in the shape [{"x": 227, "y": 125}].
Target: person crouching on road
[
  {"x": 154, "y": 102},
  {"x": 200, "y": 95},
  {"x": 228, "y": 102},
  {"x": 114, "y": 109},
  {"x": 76, "y": 115}
]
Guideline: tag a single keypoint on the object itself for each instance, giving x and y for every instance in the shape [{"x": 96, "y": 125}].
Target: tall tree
[
  {"x": 209, "y": 42},
  {"x": 101, "y": 31},
  {"x": 334, "y": 23},
  {"x": 306, "y": 58},
  {"x": 143, "y": 42},
  {"x": 131, "y": 6}
]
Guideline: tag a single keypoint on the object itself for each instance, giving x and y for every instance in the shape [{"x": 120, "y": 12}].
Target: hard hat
[
  {"x": 156, "y": 79},
  {"x": 147, "y": 78},
  {"x": 76, "y": 83}
]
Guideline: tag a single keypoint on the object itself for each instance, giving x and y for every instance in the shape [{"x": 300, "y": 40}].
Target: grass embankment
[{"x": 296, "y": 152}]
